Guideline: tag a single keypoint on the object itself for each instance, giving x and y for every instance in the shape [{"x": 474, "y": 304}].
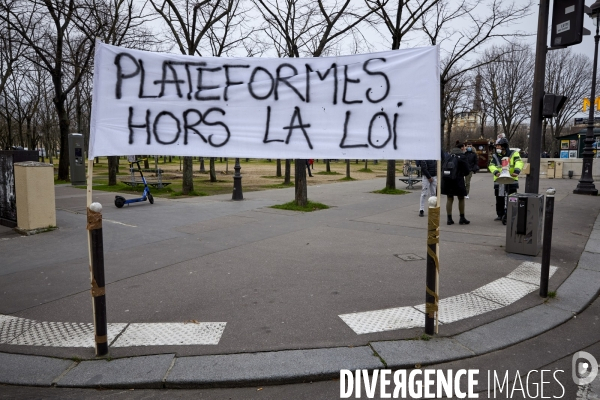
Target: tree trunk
[
  {"x": 366, "y": 164},
  {"x": 278, "y": 174},
  {"x": 348, "y": 168},
  {"x": 202, "y": 169},
  {"x": 327, "y": 166},
  {"x": 63, "y": 123},
  {"x": 286, "y": 180},
  {"x": 188, "y": 176},
  {"x": 300, "y": 181},
  {"x": 213, "y": 172},
  {"x": 112, "y": 170},
  {"x": 390, "y": 180}
]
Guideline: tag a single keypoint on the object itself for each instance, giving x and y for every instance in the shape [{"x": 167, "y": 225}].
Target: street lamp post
[
  {"x": 237, "y": 182},
  {"x": 586, "y": 183}
]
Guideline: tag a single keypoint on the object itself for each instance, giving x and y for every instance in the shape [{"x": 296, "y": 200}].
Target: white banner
[{"x": 376, "y": 106}]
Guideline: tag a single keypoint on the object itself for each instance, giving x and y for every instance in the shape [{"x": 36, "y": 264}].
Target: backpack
[{"x": 450, "y": 167}]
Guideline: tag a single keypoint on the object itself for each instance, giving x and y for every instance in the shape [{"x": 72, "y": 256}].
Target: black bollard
[
  {"x": 237, "y": 182},
  {"x": 547, "y": 242},
  {"x": 433, "y": 238},
  {"x": 94, "y": 226}
]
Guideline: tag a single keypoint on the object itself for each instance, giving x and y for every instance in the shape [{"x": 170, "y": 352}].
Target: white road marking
[
  {"x": 117, "y": 222},
  {"x": 492, "y": 296}
]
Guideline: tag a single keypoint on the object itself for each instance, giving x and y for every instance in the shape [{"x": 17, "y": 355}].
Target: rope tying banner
[
  {"x": 100, "y": 339},
  {"x": 94, "y": 220},
  {"x": 433, "y": 226},
  {"x": 431, "y": 308},
  {"x": 96, "y": 290},
  {"x": 433, "y": 234},
  {"x": 433, "y": 238}
]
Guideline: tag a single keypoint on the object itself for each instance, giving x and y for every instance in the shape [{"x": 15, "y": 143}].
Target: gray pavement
[{"x": 280, "y": 280}]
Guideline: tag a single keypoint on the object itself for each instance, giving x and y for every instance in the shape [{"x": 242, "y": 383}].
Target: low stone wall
[{"x": 569, "y": 164}]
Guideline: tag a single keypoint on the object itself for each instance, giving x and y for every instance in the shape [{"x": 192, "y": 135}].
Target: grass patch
[
  {"x": 551, "y": 295},
  {"x": 327, "y": 173},
  {"x": 279, "y": 186},
  {"x": 121, "y": 187},
  {"x": 425, "y": 337},
  {"x": 310, "y": 206},
  {"x": 60, "y": 182},
  {"x": 190, "y": 194},
  {"x": 390, "y": 191},
  {"x": 347, "y": 178},
  {"x": 365, "y": 170},
  {"x": 217, "y": 181}
]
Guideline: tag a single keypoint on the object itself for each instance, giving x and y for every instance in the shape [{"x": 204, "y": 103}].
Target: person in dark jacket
[
  {"x": 456, "y": 187},
  {"x": 429, "y": 182},
  {"x": 473, "y": 161}
]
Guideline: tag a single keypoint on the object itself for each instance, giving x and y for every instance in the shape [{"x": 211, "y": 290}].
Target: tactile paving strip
[
  {"x": 499, "y": 293},
  {"x": 463, "y": 306},
  {"x": 171, "y": 334},
  {"x": 529, "y": 272},
  {"x": 64, "y": 334},
  {"x": 505, "y": 291},
  {"x": 11, "y": 327},
  {"x": 384, "y": 320}
]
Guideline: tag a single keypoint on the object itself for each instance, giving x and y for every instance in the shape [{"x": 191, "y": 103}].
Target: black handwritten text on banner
[{"x": 379, "y": 106}]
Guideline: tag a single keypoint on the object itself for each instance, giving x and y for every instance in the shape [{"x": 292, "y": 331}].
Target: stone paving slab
[
  {"x": 593, "y": 246},
  {"x": 137, "y": 372},
  {"x": 578, "y": 291},
  {"x": 17, "y": 369},
  {"x": 590, "y": 261},
  {"x": 409, "y": 353},
  {"x": 513, "y": 329},
  {"x": 272, "y": 367}
]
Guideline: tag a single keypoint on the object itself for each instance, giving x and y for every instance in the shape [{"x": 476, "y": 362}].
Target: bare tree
[
  {"x": 406, "y": 17},
  {"x": 461, "y": 28},
  {"x": 12, "y": 49},
  {"x": 309, "y": 28},
  {"x": 120, "y": 23},
  {"x": 567, "y": 74},
  {"x": 182, "y": 18},
  {"x": 456, "y": 96},
  {"x": 507, "y": 79},
  {"x": 54, "y": 27}
]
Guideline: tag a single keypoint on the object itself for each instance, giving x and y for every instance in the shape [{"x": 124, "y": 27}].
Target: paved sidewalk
[{"x": 269, "y": 290}]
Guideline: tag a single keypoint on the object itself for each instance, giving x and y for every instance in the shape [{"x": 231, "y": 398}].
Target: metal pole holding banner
[
  {"x": 96, "y": 263},
  {"x": 433, "y": 239},
  {"x": 94, "y": 226},
  {"x": 547, "y": 242}
]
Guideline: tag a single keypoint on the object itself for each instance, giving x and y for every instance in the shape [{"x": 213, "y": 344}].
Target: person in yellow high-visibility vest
[{"x": 495, "y": 167}]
